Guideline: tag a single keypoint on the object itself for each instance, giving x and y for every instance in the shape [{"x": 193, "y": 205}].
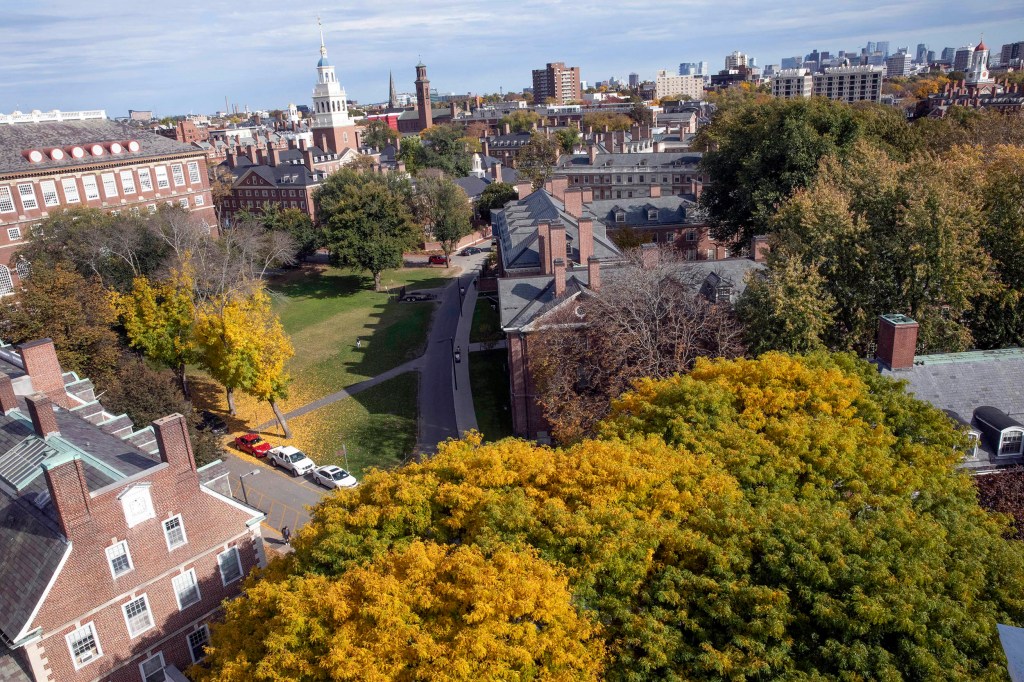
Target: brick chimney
[
  {"x": 307, "y": 156},
  {"x": 559, "y": 268},
  {"x": 507, "y": 129},
  {"x": 524, "y": 189},
  {"x": 655, "y": 191},
  {"x": 759, "y": 248},
  {"x": 544, "y": 246},
  {"x": 594, "y": 273},
  {"x": 43, "y": 367},
  {"x": 8, "y": 401},
  {"x": 586, "y": 241},
  {"x": 174, "y": 444},
  {"x": 40, "y": 409},
  {"x": 897, "y": 341},
  {"x": 588, "y": 195},
  {"x": 65, "y": 477},
  {"x": 574, "y": 202},
  {"x": 250, "y": 151},
  {"x": 303, "y": 144},
  {"x": 558, "y": 241},
  {"x": 231, "y": 157},
  {"x": 649, "y": 256},
  {"x": 496, "y": 171},
  {"x": 558, "y": 187},
  {"x": 485, "y": 146},
  {"x": 274, "y": 156}
]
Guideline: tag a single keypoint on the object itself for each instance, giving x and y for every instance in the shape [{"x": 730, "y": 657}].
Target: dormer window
[
  {"x": 620, "y": 216},
  {"x": 652, "y": 214},
  {"x": 1010, "y": 443},
  {"x": 973, "y": 438},
  {"x": 137, "y": 505}
]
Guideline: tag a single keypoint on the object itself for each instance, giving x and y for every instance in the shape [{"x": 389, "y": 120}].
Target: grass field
[
  {"x": 488, "y": 375},
  {"x": 486, "y": 323}
]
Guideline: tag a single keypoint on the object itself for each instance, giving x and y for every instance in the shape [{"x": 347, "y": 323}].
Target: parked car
[
  {"x": 418, "y": 296},
  {"x": 252, "y": 444},
  {"x": 292, "y": 459},
  {"x": 331, "y": 476},
  {"x": 470, "y": 251},
  {"x": 437, "y": 260},
  {"x": 208, "y": 421}
]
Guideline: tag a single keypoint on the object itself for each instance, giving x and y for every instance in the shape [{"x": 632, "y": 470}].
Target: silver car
[{"x": 331, "y": 476}]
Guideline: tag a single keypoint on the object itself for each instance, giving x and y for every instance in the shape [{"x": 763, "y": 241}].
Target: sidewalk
[{"x": 465, "y": 413}]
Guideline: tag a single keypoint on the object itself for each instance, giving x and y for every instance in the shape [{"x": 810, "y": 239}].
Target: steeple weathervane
[{"x": 323, "y": 48}]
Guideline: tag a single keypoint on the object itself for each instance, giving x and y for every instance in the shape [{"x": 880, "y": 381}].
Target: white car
[
  {"x": 331, "y": 476},
  {"x": 292, "y": 459}
]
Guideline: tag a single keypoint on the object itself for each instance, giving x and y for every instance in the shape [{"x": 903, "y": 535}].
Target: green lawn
[
  {"x": 488, "y": 375},
  {"x": 377, "y": 426},
  {"x": 327, "y": 311},
  {"x": 486, "y": 323}
]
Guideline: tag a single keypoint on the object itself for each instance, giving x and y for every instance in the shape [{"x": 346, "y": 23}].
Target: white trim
[
  {"x": 149, "y": 611},
  {"x": 238, "y": 561},
  {"x": 110, "y": 561},
  {"x": 167, "y": 537},
  {"x": 46, "y": 593},
  {"x": 188, "y": 641},
  {"x": 163, "y": 664},
  {"x": 96, "y": 640},
  {"x": 194, "y": 583}
]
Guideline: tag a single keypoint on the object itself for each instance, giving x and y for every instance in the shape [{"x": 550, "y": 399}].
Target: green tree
[
  {"x": 367, "y": 220},
  {"x": 520, "y": 121},
  {"x": 536, "y": 159},
  {"x": 294, "y": 222},
  {"x": 640, "y": 113},
  {"x": 378, "y": 134},
  {"x": 444, "y": 210},
  {"x": 445, "y": 148},
  {"x": 614, "y": 122},
  {"x": 567, "y": 138},
  {"x": 495, "y": 195}
]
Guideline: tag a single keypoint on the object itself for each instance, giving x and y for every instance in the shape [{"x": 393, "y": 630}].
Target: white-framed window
[
  {"x": 137, "y": 504},
  {"x": 24, "y": 269},
  {"x": 183, "y": 202},
  {"x": 652, "y": 214},
  {"x": 711, "y": 254},
  {"x": 1010, "y": 442},
  {"x": 620, "y": 216},
  {"x": 14, "y": 233},
  {"x": 197, "y": 642},
  {"x": 137, "y": 615},
  {"x": 70, "y": 190},
  {"x": 92, "y": 192},
  {"x": 49, "y": 190},
  {"x": 161, "y": 177},
  {"x": 174, "y": 532},
  {"x": 128, "y": 181},
  {"x": 6, "y": 283},
  {"x": 198, "y": 200},
  {"x": 193, "y": 172},
  {"x": 186, "y": 589},
  {"x": 145, "y": 180},
  {"x": 120, "y": 558},
  {"x": 6, "y": 201},
  {"x": 691, "y": 235},
  {"x": 152, "y": 668},
  {"x": 109, "y": 185},
  {"x": 230, "y": 566},
  {"x": 84, "y": 645},
  {"x": 28, "y": 196},
  {"x": 151, "y": 208},
  {"x": 178, "y": 175}
]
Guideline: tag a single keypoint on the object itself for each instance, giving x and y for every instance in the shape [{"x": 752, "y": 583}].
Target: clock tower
[{"x": 332, "y": 128}]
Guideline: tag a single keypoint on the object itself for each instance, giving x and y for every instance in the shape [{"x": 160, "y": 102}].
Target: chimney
[
  {"x": 588, "y": 195},
  {"x": 65, "y": 477},
  {"x": 274, "y": 156},
  {"x": 303, "y": 144},
  {"x": 231, "y": 157},
  {"x": 594, "y": 273},
  {"x": 174, "y": 444},
  {"x": 574, "y": 202},
  {"x": 544, "y": 246},
  {"x": 524, "y": 189},
  {"x": 586, "y": 241},
  {"x": 507, "y": 129},
  {"x": 759, "y": 248},
  {"x": 40, "y": 409},
  {"x": 8, "y": 401},
  {"x": 897, "y": 341},
  {"x": 558, "y": 187},
  {"x": 649, "y": 256},
  {"x": 43, "y": 367},
  {"x": 558, "y": 242},
  {"x": 559, "y": 268},
  {"x": 250, "y": 151},
  {"x": 307, "y": 156},
  {"x": 496, "y": 171},
  {"x": 486, "y": 146},
  {"x": 655, "y": 191}
]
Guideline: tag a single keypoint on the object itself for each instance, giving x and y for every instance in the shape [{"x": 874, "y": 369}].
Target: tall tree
[
  {"x": 294, "y": 222},
  {"x": 367, "y": 220},
  {"x": 444, "y": 210},
  {"x": 567, "y": 138},
  {"x": 495, "y": 195},
  {"x": 614, "y": 122},
  {"x": 520, "y": 121},
  {"x": 639, "y": 112},
  {"x": 446, "y": 149},
  {"x": 378, "y": 134},
  {"x": 537, "y": 158}
]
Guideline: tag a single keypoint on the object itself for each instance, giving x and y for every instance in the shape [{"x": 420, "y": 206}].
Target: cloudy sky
[{"x": 186, "y": 55}]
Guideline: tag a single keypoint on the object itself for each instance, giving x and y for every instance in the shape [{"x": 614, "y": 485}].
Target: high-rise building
[
  {"x": 898, "y": 65},
  {"x": 793, "y": 83},
  {"x": 871, "y": 47},
  {"x": 792, "y": 62},
  {"x": 850, "y": 83},
  {"x": 634, "y": 80},
  {"x": 948, "y": 55},
  {"x": 962, "y": 58},
  {"x": 922, "y": 53},
  {"x": 1010, "y": 52},
  {"x": 735, "y": 60},
  {"x": 558, "y": 83},
  {"x": 931, "y": 57},
  {"x": 883, "y": 47},
  {"x": 665, "y": 85}
]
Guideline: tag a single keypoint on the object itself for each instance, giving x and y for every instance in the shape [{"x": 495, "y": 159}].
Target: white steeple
[{"x": 330, "y": 105}]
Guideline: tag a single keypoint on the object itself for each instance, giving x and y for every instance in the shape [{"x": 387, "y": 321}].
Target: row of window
[
  {"x": 85, "y": 648},
  {"x": 84, "y": 643},
  {"x": 120, "y": 558},
  {"x": 7, "y": 283},
  {"x": 238, "y": 203},
  {"x": 269, "y": 192},
  {"x": 607, "y": 179},
  {"x": 90, "y": 187}
]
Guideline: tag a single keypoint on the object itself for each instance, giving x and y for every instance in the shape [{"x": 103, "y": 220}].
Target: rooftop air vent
[
  {"x": 133, "y": 146},
  {"x": 116, "y": 148},
  {"x": 77, "y": 152},
  {"x": 96, "y": 150},
  {"x": 35, "y": 156}
]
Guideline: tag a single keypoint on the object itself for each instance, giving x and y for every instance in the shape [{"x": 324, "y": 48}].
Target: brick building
[
  {"x": 633, "y": 175},
  {"x": 116, "y": 550},
  {"x": 557, "y": 83},
  {"x": 58, "y": 160}
]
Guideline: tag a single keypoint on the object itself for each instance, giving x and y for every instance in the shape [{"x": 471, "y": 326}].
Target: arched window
[
  {"x": 6, "y": 283},
  {"x": 24, "y": 269}
]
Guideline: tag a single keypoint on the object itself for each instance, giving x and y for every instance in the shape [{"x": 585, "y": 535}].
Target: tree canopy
[
  {"x": 495, "y": 195},
  {"x": 779, "y": 518},
  {"x": 444, "y": 210},
  {"x": 536, "y": 159},
  {"x": 520, "y": 121}
]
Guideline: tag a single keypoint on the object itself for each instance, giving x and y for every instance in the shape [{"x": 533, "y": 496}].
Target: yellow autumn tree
[
  {"x": 425, "y": 612},
  {"x": 241, "y": 343},
  {"x": 158, "y": 319}
]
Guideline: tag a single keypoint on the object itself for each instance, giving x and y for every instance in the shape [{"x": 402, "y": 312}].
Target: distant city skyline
[{"x": 112, "y": 55}]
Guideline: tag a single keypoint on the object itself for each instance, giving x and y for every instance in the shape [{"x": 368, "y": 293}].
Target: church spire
[
  {"x": 323, "y": 48},
  {"x": 392, "y": 95}
]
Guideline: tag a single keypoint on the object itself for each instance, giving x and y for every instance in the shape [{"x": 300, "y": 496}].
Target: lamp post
[
  {"x": 456, "y": 357},
  {"x": 241, "y": 479}
]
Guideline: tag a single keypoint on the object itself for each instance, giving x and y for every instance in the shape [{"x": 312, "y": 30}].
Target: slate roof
[
  {"x": 515, "y": 226},
  {"x": 672, "y": 210},
  {"x": 960, "y": 383},
  {"x": 11, "y": 667},
  {"x": 638, "y": 160},
  {"x": 17, "y": 138},
  {"x": 471, "y": 185}
]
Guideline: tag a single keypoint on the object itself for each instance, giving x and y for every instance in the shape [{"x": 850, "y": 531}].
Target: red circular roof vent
[
  {"x": 116, "y": 148},
  {"x": 35, "y": 156},
  {"x": 77, "y": 152},
  {"x": 57, "y": 154},
  {"x": 96, "y": 150},
  {"x": 133, "y": 146}
]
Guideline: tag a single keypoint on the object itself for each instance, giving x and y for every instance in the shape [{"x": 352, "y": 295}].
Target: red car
[
  {"x": 437, "y": 260},
  {"x": 252, "y": 444}
]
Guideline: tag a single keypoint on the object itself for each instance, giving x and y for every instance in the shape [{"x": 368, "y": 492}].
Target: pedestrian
[
  {"x": 474, "y": 282},
  {"x": 287, "y": 535},
  {"x": 359, "y": 343}
]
